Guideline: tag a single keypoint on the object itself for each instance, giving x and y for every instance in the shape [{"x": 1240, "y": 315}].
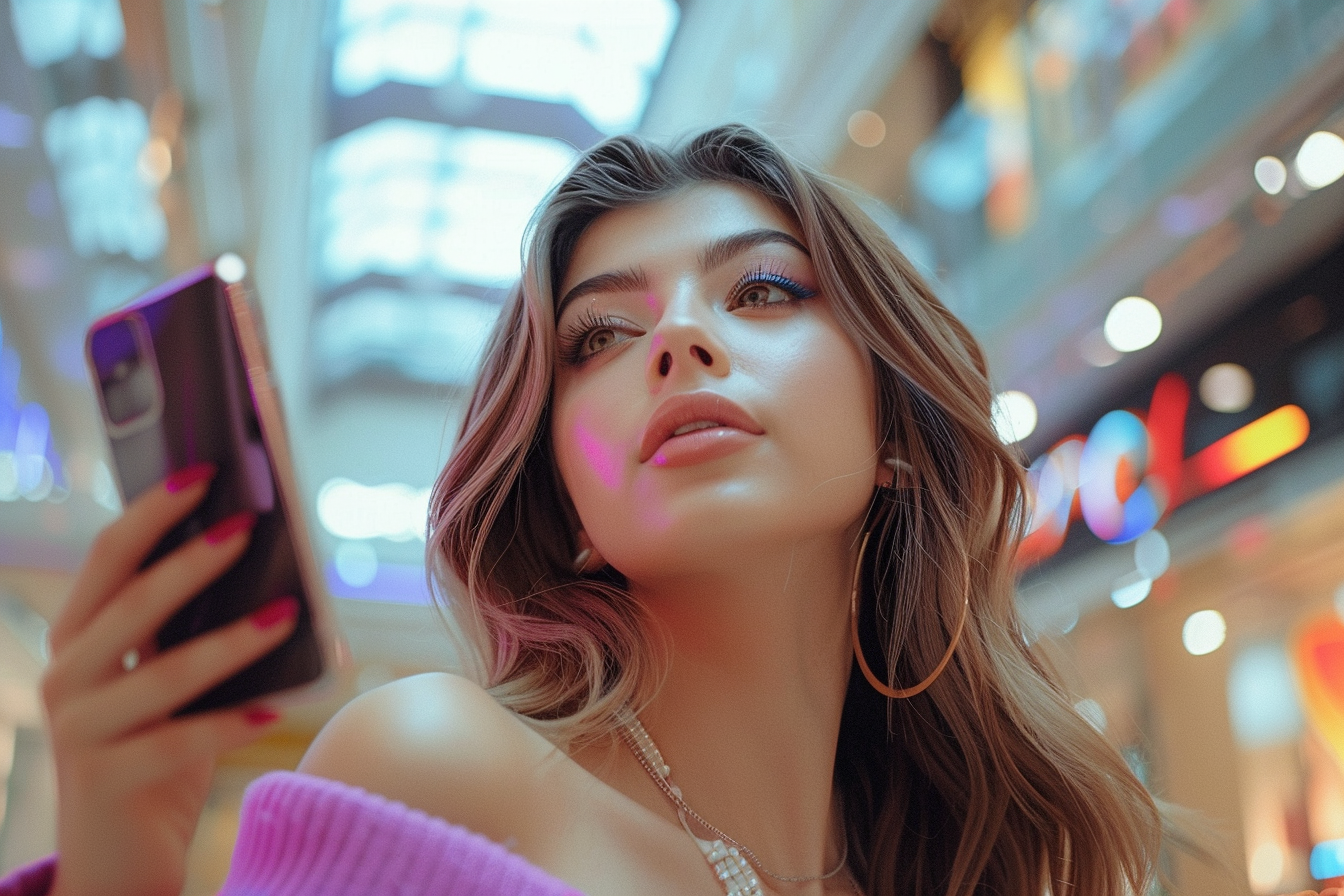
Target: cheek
[
  {"x": 588, "y": 450},
  {"x": 840, "y": 442},
  {"x": 831, "y": 392},
  {"x": 596, "y": 457}
]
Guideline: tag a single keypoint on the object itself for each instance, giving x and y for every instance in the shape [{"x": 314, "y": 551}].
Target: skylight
[
  {"x": 600, "y": 56},
  {"x": 401, "y": 197},
  {"x": 95, "y": 147},
  {"x": 49, "y": 31},
  {"x": 431, "y": 338}
]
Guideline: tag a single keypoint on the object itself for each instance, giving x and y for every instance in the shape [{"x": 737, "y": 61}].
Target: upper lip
[{"x": 693, "y": 407}]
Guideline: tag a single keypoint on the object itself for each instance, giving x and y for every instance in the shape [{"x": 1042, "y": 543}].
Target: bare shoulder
[{"x": 441, "y": 744}]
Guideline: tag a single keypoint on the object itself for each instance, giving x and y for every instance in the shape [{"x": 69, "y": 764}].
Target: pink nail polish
[
  {"x": 189, "y": 476},
  {"x": 229, "y": 526},
  {"x": 260, "y": 716},
  {"x": 282, "y": 609}
]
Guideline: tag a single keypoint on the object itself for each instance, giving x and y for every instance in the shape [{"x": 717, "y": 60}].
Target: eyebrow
[
  {"x": 716, "y": 253},
  {"x": 727, "y": 248}
]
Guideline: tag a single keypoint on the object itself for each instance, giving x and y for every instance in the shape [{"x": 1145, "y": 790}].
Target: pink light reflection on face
[{"x": 603, "y": 459}]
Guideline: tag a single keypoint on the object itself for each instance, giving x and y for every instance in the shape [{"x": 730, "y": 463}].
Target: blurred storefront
[
  {"x": 1188, "y": 551},
  {"x": 1046, "y": 159},
  {"x": 1068, "y": 160}
]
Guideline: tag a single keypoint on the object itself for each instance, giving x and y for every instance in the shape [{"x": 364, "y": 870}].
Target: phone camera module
[{"x": 126, "y": 373}]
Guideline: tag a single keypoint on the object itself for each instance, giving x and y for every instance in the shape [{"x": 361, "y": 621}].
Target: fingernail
[
  {"x": 230, "y": 526},
  {"x": 189, "y": 476},
  {"x": 260, "y": 716},
  {"x": 282, "y": 609}
]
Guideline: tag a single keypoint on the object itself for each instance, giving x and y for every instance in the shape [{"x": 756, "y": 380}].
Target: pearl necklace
[{"x": 731, "y": 861}]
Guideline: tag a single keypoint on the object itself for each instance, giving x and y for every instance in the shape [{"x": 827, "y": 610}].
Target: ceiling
[{"x": 340, "y": 150}]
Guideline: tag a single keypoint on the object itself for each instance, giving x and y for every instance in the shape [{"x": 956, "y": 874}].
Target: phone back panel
[{"x": 175, "y": 392}]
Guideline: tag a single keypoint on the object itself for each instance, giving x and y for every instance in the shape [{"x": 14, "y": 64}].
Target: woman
[{"x": 728, "y": 498}]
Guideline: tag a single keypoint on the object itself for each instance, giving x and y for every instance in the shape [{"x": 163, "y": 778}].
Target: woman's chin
[{"x": 718, "y": 547}]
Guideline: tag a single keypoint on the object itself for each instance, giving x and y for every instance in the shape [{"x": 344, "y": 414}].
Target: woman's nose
[
  {"x": 684, "y": 342},
  {"x": 698, "y": 354}
]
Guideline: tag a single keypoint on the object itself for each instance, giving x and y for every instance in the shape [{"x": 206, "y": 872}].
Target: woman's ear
[{"x": 589, "y": 559}]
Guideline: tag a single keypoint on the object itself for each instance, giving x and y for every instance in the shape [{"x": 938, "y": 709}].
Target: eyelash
[
  {"x": 571, "y": 339},
  {"x": 769, "y": 277}
]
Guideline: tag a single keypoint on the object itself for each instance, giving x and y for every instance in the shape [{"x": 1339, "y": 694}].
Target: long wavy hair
[{"x": 988, "y": 782}]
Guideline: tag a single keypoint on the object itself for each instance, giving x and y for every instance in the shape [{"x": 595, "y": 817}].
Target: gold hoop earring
[{"x": 878, "y": 685}]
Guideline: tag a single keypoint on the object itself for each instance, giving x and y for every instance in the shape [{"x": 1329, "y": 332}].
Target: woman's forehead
[{"x": 677, "y": 226}]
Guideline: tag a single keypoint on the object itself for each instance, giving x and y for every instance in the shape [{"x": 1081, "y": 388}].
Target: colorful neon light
[
  {"x": 1115, "y": 506},
  {"x": 1247, "y": 449},
  {"x": 1318, "y": 654},
  {"x": 1130, "y": 472},
  {"x": 1327, "y": 860}
]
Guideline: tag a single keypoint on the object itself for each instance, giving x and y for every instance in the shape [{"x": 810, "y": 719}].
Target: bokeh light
[
  {"x": 1271, "y": 174},
  {"x": 1262, "y": 699},
  {"x": 1014, "y": 415},
  {"x": 1204, "y": 632},
  {"x": 1266, "y": 866},
  {"x": 1152, "y": 554},
  {"x": 230, "y": 268},
  {"x": 356, "y": 563},
  {"x": 1131, "y": 590},
  {"x": 394, "y": 511},
  {"x": 866, "y": 128},
  {"x": 1320, "y": 160},
  {"x": 1227, "y": 388},
  {"x": 1132, "y": 323},
  {"x": 155, "y": 162}
]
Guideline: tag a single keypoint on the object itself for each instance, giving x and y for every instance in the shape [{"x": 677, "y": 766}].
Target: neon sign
[{"x": 1130, "y": 472}]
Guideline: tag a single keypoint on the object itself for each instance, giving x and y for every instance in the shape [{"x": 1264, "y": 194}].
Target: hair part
[{"x": 987, "y": 782}]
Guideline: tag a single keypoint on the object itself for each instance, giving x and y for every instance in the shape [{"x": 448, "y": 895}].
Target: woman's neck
[{"x": 749, "y": 715}]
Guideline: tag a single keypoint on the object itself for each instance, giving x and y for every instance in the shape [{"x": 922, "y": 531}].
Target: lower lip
[{"x": 700, "y": 446}]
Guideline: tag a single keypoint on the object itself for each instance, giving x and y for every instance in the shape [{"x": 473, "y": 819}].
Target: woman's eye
[
  {"x": 591, "y": 335},
  {"x": 599, "y": 339},
  {"x": 762, "y": 293}
]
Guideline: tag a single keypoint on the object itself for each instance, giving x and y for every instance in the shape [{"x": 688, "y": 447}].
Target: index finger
[{"x": 120, "y": 548}]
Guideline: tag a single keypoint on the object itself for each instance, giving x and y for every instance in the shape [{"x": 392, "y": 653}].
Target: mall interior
[{"x": 1137, "y": 206}]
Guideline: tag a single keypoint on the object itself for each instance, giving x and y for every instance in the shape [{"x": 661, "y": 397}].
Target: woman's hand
[{"x": 132, "y": 780}]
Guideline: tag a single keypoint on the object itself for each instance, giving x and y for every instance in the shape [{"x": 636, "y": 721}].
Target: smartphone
[{"x": 182, "y": 377}]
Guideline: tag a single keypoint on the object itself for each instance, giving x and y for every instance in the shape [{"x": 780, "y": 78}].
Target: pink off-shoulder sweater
[{"x": 306, "y": 836}]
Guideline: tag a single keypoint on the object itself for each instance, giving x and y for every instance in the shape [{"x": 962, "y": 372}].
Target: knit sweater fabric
[{"x": 306, "y": 836}]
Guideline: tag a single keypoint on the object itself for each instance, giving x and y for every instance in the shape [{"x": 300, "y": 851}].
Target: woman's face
[{"x": 706, "y": 399}]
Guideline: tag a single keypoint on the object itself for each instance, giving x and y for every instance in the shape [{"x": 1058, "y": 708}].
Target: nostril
[
  {"x": 664, "y": 364},
  {"x": 705, "y": 357}
]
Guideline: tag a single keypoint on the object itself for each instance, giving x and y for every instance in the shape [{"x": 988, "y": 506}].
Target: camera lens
[{"x": 126, "y": 378}]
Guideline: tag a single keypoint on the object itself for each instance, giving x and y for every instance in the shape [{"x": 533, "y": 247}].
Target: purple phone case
[{"x": 174, "y": 392}]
